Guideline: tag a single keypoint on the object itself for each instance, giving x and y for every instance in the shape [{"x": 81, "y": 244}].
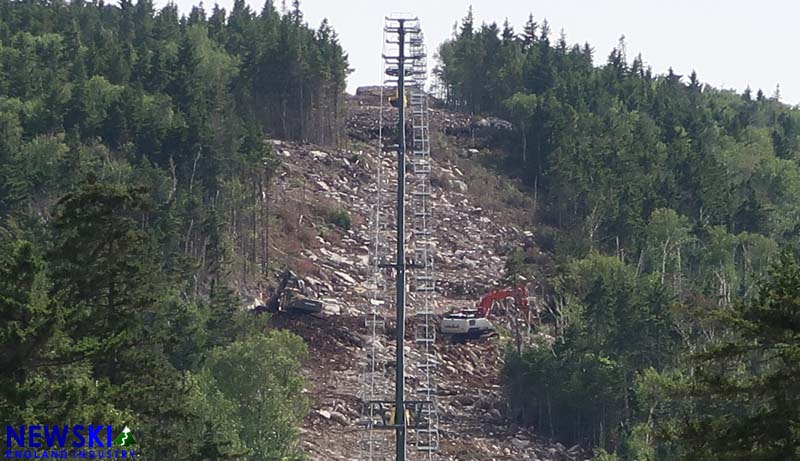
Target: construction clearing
[
  {"x": 457, "y": 243},
  {"x": 470, "y": 238}
]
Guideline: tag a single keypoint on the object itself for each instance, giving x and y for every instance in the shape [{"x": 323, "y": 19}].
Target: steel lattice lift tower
[{"x": 415, "y": 420}]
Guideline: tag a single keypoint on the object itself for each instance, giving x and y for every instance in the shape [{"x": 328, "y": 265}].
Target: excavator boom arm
[{"x": 519, "y": 294}]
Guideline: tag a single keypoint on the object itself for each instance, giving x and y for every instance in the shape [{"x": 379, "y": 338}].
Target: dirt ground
[{"x": 472, "y": 244}]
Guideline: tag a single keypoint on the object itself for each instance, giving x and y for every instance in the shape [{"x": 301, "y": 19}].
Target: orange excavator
[{"x": 474, "y": 323}]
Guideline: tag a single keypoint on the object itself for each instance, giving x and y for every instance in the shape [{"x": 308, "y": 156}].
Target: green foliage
[
  {"x": 134, "y": 179},
  {"x": 607, "y": 146},
  {"x": 259, "y": 375},
  {"x": 617, "y": 325},
  {"x": 518, "y": 267},
  {"x": 96, "y": 329},
  {"x": 666, "y": 234},
  {"x": 521, "y": 107},
  {"x": 602, "y": 455},
  {"x": 690, "y": 188},
  {"x": 340, "y": 218},
  {"x": 744, "y": 395}
]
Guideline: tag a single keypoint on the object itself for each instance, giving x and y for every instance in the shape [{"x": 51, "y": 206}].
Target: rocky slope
[{"x": 480, "y": 218}]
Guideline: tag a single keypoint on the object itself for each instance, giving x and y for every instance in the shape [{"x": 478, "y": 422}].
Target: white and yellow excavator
[{"x": 473, "y": 323}]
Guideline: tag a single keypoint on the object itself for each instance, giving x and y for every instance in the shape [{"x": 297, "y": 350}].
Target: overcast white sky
[{"x": 730, "y": 43}]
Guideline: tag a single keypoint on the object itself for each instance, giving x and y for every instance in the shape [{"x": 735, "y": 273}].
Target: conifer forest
[{"x": 144, "y": 175}]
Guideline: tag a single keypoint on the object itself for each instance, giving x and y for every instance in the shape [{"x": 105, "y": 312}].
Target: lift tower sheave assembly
[{"x": 413, "y": 421}]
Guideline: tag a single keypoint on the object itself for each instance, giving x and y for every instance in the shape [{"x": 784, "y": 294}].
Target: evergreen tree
[
  {"x": 130, "y": 150},
  {"x": 687, "y": 186},
  {"x": 745, "y": 391},
  {"x": 529, "y": 33}
]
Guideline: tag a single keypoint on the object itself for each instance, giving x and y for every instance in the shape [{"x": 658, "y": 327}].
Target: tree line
[{"x": 665, "y": 203}]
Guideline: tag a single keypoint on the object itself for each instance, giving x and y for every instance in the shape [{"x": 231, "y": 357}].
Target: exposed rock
[
  {"x": 519, "y": 444},
  {"x": 339, "y": 418},
  {"x": 331, "y": 306},
  {"x": 465, "y": 399},
  {"x": 347, "y": 278},
  {"x": 471, "y": 245},
  {"x": 495, "y": 415},
  {"x": 458, "y": 185}
]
